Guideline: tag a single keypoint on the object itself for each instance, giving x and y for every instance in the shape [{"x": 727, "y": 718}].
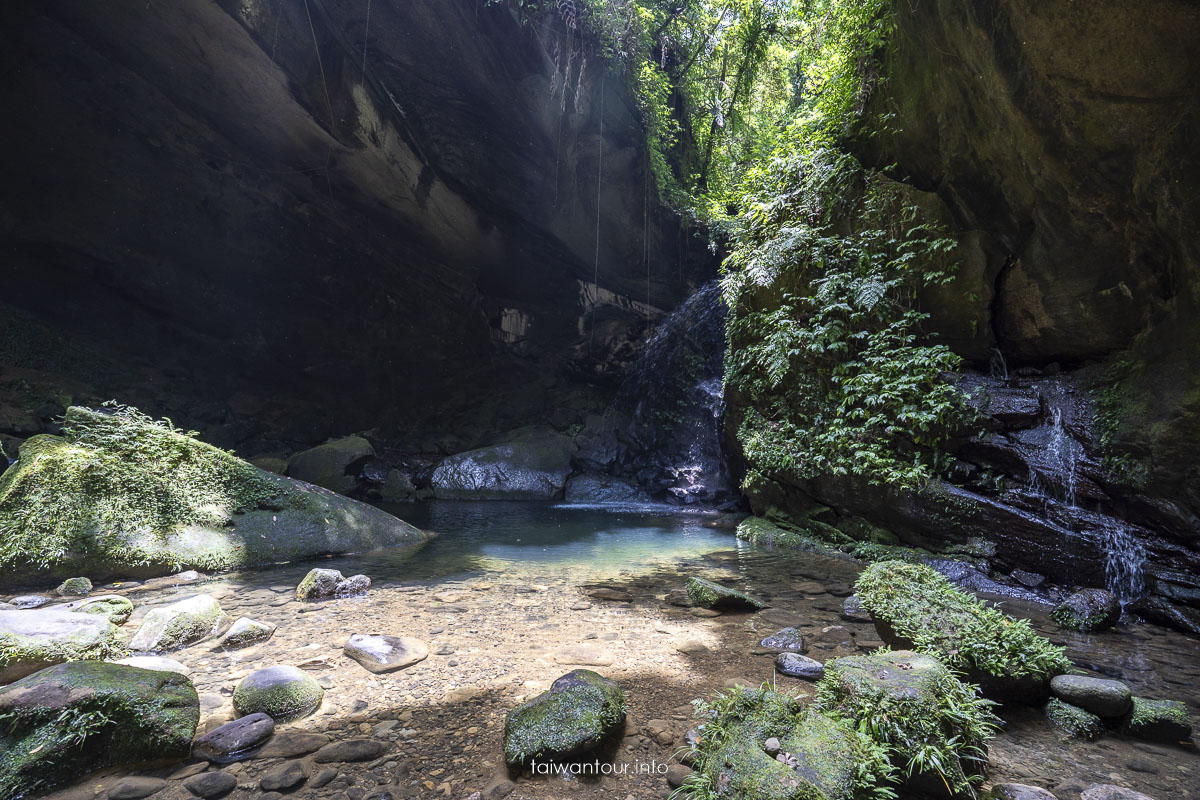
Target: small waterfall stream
[{"x": 1058, "y": 480}]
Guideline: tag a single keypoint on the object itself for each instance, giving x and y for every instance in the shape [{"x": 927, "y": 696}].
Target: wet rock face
[
  {"x": 534, "y": 466},
  {"x": 147, "y": 715},
  {"x": 458, "y": 207}
]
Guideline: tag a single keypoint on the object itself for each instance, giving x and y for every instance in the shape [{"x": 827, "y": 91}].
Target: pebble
[
  {"x": 284, "y": 776},
  {"x": 210, "y": 784}
]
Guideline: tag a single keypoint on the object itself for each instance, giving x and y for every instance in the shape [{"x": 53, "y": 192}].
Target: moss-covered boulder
[
  {"x": 121, "y": 495},
  {"x": 75, "y": 587},
  {"x": 115, "y": 608},
  {"x": 916, "y": 608},
  {"x": 581, "y": 709},
  {"x": 707, "y": 594},
  {"x": 1158, "y": 720},
  {"x": 534, "y": 465},
  {"x": 283, "y": 693},
  {"x": 1073, "y": 722},
  {"x": 321, "y": 583},
  {"x": 1088, "y": 611},
  {"x": 818, "y": 757},
  {"x": 332, "y": 465},
  {"x": 245, "y": 632},
  {"x": 1100, "y": 696},
  {"x": 192, "y": 619},
  {"x": 70, "y": 719},
  {"x": 914, "y": 706},
  {"x": 34, "y": 639}
]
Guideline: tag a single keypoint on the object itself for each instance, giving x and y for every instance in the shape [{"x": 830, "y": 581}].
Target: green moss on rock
[
  {"x": 33, "y": 639},
  {"x": 934, "y": 726},
  {"x": 73, "y": 718},
  {"x": 915, "y": 607},
  {"x": 820, "y": 757},
  {"x": 179, "y": 624},
  {"x": 1158, "y": 720},
  {"x": 574, "y": 716},
  {"x": 75, "y": 587},
  {"x": 707, "y": 594},
  {"x": 113, "y": 607},
  {"x": 121, "y": 494},
  {"x": 1088, "y": 610},
  {"x": 283, "y": 693},
  {"x": 1072, "y": 722}
]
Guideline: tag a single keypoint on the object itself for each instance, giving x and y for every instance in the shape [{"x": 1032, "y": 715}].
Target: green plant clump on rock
[
  {"x": 112, "y": 472},
  {"x": 581, "y": 708},
  {"x": 931, "y": 723},
  {"x": 922, "y": 609},
  {"x": 1072, "y": 722},
  {"x": 821, "y": 758}
]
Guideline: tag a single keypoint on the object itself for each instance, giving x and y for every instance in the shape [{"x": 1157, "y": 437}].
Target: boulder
[
  {"x": 29, "y": 601},
  {"x": 223, "y": 513},
  {"x": 74, "y": 587},
  {"x": 1158, "y": 720},
  {"x": 534, "y": 467},
  {"x": 332, "y": 465},
  {"x": 707, "y": 594},
  {"x": 1100, "y": 696},
  {"x": 179, "y": 624},
  {"x": 787, "y": 640},
  {"x": 1073, "y": 722},
  {"x": 282, "y": 777},
  {"x": 1088, "y": 611},
  {"x": 34, "y": 639},
  {"x": 581, "y": 709},
  {"x": 115, "y": 608},
  {"x": 73, "y": 718},
  {"x": 284, "y": 693},
  {"x": 380, "y": 654},
  {"x": 245, "y": 632},
  {"x": 915, "y": 607},
  {"x": 235, "y": 741},
  {"x": 155, "y": 662},
  {"x": 594, "y": 487},
  {"x": 1164, "y": 612},
  {"x": 819, "y": 758},
  {"x": 798, "y": 666},
  {"x": 320, "y": 584},
  {"x": 923, "y": 702},
  {"x": 852, "y": 610}
]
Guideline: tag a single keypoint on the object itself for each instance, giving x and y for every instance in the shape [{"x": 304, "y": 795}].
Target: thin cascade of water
[
  {"x": 1064, "y": 452},
  {"x": 1124, "y": 563}
]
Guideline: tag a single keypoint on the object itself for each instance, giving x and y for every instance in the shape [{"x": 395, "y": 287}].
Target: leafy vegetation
[
  {"x": 114, "y": 472},
  {"x": 929, "y": 721},
  {"x": 923, "y": 608},
  {"x": 1073, "y": 722},
  {"x": 823, "y": 758}
]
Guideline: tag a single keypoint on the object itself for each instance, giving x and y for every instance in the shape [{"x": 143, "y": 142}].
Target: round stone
[
  {"x": 798, "y": 666},
  {"x": 1104, "y": 698},
  {"x": 381, "y": 654},
  {"x": 283, "y": 693}
]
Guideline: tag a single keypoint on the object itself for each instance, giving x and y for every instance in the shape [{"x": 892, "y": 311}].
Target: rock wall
[
  {"x": 1057, "y": 142},
  {"x": 281, "y": 221}
]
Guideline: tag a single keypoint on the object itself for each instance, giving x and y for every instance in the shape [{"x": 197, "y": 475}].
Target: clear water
[{"x": 491, "y": 537}]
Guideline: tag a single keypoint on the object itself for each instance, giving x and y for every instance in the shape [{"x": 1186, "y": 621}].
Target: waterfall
[
  {"x": 1058, "y": 479},
  {"x": 672, "y": 402}
]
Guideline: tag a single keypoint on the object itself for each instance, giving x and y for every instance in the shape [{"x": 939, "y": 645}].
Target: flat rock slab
[
  {"x": 381, "y": 654},
  {"x": 287, "y": 775},
  {"x": 780, "y": 617},
  {"x": 1100, "y": 696},
  {"x": 1018, "y": 791},
  {"x": 156, "y": 662},
  {"x": 797, "y": 666},
  {"x": 292, "y": 744},
  {"x": 234, "y": 741},
  {"x": 136, "y": 788},
  {"x": 605, "y": 593},
  {"x": 41, "y": 637},
  {"x": 583, "y": 655},
  {"x": 30, "y": 601},
  {"x": 211, "y": 784},
  {"x": 350, "y": 750}
]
